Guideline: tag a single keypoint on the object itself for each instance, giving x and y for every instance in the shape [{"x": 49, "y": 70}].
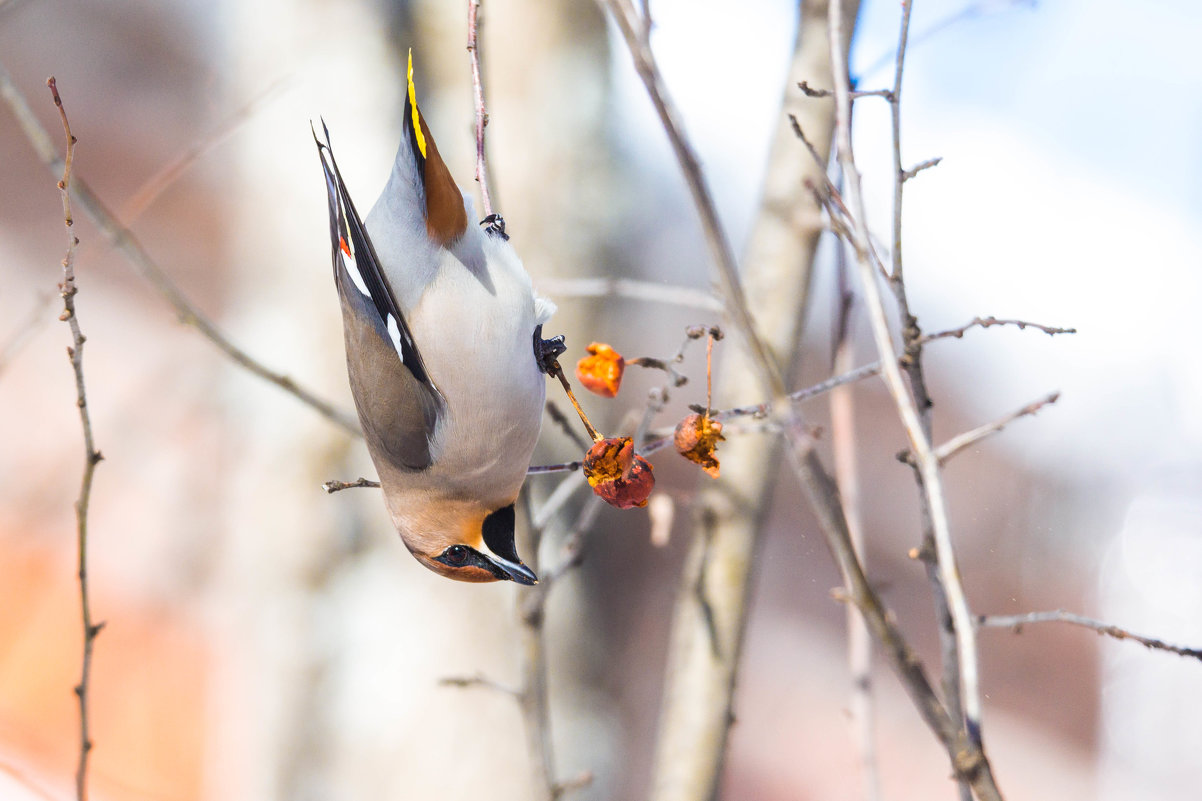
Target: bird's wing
[{"x": 399, "y": 406}]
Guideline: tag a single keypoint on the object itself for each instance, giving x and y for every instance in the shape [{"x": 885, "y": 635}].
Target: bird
[{"x": 445, "y": 356}]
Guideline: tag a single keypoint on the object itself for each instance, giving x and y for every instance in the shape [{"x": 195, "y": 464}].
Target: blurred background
[{"x": 266, "y": 640}]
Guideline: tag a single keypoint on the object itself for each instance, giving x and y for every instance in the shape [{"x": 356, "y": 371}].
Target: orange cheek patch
[{"x": 475, "y": 575}]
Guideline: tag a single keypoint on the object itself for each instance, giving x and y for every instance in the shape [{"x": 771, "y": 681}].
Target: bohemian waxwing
[{"x": 445, "y": 357}]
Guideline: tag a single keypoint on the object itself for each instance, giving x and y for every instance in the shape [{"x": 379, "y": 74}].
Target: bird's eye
[{"x": 456, "y": 554}]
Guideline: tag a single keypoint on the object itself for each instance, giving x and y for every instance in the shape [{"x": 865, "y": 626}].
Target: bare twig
[
  {"x": 630, "y": 288},
  {"x": 556, "y": 500},
  {"x": 692, "y": 333},
  {"x": 1016, "y": 622},
  {"x": 987, "y": 322},
  {"x": 473, "y": 49},
  {"x": 761, "y": 411},
  {"x": 928, "y": 465},
  {"x": 919, "y": 167},
  {"x": 966, "y": 759},
  {"x": 479, "y": 680},
  {"x": 814, "y": 154},
  {"x": 958, "y": 443},
  {"x": 562, "y": 467},
  {"x": 337, "y": 486},
  {"x": 334, "y": 485},
  {"x": 565, "y": 425},
  {"x": 121, "y": 238},
  {"x": 810, "y": 392},
  {"x": 948, "y": 619},
  {"x": 810, "y": 91},
  {"x": 92, "y": 456}
]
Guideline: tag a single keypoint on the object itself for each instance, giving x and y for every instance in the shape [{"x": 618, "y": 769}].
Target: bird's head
[{"x": 465, "y": 543}]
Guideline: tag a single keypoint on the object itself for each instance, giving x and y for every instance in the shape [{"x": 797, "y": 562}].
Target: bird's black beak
[
  {"x": 498, "y": 539},
  {"x": 514, "y": 571}
]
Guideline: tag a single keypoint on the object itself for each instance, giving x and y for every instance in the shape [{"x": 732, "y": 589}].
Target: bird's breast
[{"x": 475, "y": 333}]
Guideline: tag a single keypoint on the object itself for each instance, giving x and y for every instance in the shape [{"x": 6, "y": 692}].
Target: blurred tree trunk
[
  {"x": 711, "y": 604},
  {"x": 284, "y": 539}
]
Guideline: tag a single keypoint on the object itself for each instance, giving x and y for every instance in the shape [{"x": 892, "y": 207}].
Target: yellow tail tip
[{"x": 417, "y": 120}]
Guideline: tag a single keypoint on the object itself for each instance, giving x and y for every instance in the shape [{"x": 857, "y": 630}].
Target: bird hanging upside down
[{"x": 445, "y": 356}]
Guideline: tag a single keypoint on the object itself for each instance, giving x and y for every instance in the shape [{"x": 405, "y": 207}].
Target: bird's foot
[
  {"x": 494, "y": 225},
  {"x": 547, "y": 351}
]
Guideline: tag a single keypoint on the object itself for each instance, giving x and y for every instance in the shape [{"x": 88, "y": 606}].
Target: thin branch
[
  {"x": 793, "y": 122},
  {"x": 473, "y": 49},
  {"x": 958, "y": 443},
  {"x": 337, "y": 486},
  {"x": 760, "y": 411},
  {"x": 657, "y": 399},
  {"x": 987, "y": 322},
  {"x": 479, "y": 680},
  {"x": 562, "y": 467},
  {"x": 92, "y": 456},
  {"x": 919, "y": 167},
  {"x": 966, "y": 760},
  {"x": 810, "y": 392},
  {"x": 556, "y": 500},
  {"x": 949, "y": 615},
  {"x": 1016, "y": 622},
  {"x": 565, "y": 425},
  {"x": 652, "y": 292},
  {"x": 334, "y": 485},
  {"x": 980, "y": 775},
  {"x": 810, "y": 91},
  {"x": 692, "y": 333},
  {"x": 121, "y": 238}
]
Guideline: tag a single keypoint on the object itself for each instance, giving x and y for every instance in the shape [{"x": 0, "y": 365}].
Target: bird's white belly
[{"x": 477, "y": 343}]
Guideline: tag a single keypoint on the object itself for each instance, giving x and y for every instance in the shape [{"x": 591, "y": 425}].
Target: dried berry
[
  {"x": 697, "y": 438},
  {"x": 618, "y": 475},
  {"x": 601, "y": 371}
]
